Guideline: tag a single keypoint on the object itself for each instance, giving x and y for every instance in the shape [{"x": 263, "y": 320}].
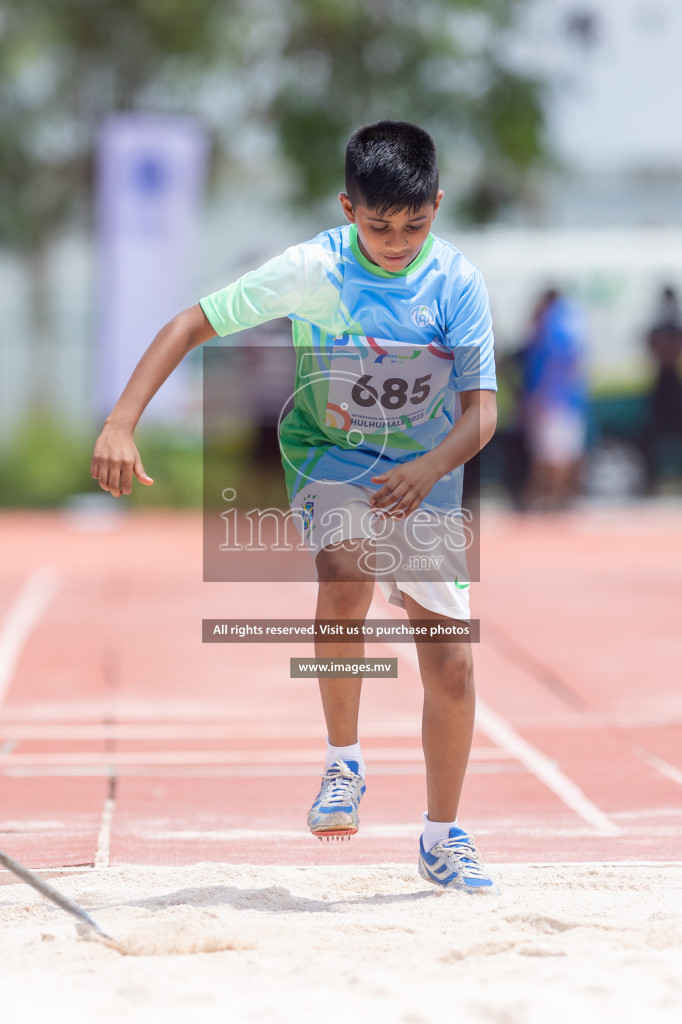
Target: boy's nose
[{"x": 396, "y": 247}]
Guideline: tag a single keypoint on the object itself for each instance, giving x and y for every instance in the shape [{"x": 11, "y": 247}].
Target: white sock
[
  {"x": 350, "y": 753},
  {"x": 436, "y": 831}
]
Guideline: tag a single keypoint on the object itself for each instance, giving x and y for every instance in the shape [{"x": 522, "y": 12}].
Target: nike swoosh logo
[{"x": 461, "y": 586}]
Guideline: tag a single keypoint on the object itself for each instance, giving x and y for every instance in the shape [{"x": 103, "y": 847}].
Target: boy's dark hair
[{"x": 391, "y": 166}]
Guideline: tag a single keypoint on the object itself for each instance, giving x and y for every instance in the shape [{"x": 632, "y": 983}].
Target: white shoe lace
[
  {"x": 462, "y": 851},
  {"x": 342, "y": 781}
]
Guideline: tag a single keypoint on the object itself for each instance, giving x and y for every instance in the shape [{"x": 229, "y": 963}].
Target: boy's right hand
[{"x": 114, "y": 461}]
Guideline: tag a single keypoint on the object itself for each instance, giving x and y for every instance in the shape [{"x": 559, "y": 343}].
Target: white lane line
[
  {"x": 236, "y": 835},
  {"x": 104, "y": 836},
  {"x": 348, "y": 868},
  {"x": 368, "y": 832},
  {"x": 203, "y": 771},
  {"x": 24, "y": 615},
  {"x": 664, "y": 767},
  {"x": 204, "y": 720},
  {"x": 547, "y": 771},
  {"x": 201, "y": 721},
  {"x": 119, "y": 758},
  {"x": 180, "y": 732},
  {"x": 594, "y": 720}
]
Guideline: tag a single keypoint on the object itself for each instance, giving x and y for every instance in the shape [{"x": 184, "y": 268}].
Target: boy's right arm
[
  {"x": 116, "y": 458},
  {"x": 277, "y": 288}
]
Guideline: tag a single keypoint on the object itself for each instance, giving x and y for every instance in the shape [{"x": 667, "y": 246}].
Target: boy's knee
[
  {"x": 345, "y": 600},
  {"x": 343, "y": 563},
  {"x": 345, "y": 591},
  {"x": 447, "y": 668}
]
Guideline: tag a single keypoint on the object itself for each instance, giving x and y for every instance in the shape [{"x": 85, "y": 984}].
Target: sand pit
[{"x": 225, "y": 943}]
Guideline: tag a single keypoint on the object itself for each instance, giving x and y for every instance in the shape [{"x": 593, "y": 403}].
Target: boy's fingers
[
  {"x": 384, "y": 494},
  {"x": 386, "y": 497},
  {"x": 126, "y": 478},
  {"x": 402, "y": 507},
  {"x": 383, "y": 499},
  {"x": 139, "y": 472},
  {"x": 108, "y": 477},
  {"x": 401, "y": 502},
  {"x": 383, "y": 491},
  {"x": 117, "y": 478},
  {"x": 114, "y": 483},
  {"x": 116, "y": 471},
  {"x": 103, "y": 476}
]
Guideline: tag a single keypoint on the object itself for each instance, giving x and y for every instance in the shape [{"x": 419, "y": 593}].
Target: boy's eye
[{"x": 382, "y": 230}]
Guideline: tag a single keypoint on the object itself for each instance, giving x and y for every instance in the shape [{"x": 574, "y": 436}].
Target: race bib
[{"x": 380, "y": 385}]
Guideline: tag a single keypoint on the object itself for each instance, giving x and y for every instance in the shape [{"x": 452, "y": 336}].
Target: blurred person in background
[
  {"x": 664, "y": 415},
  {"x": 554, "y": 402},
  {"x": 511, "y": 372}
]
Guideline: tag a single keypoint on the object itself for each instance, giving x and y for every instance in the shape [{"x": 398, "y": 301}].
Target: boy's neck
[{"x": 374, "y": 268}]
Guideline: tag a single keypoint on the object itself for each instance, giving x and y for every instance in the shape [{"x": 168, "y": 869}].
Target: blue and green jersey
[{"x": 381, "y": 355}]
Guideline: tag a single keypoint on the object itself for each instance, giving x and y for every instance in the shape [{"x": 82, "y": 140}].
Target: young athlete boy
[{"x": 395, "y": 391}]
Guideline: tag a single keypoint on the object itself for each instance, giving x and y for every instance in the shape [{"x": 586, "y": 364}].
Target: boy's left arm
[{"x": 406, "y": 486}]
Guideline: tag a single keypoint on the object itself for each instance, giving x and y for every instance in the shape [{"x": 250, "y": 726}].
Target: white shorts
[
  {"x": 423, "y": 555},
  {"x": 557, "y": 435}
]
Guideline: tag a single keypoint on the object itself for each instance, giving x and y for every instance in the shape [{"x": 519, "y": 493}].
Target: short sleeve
[
  {"x": 275, "y": 289},
  {"x": 470, "y": 336}
]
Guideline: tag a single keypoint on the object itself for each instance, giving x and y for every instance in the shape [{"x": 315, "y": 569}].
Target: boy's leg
[
  {"x": 335, "y": 522},
  {"x": 448, "y": 715},
  {"x": 345, "y": 592},
  {"x": 447, "y": 854}
]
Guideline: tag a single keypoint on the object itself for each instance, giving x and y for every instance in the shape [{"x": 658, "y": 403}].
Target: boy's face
[{"x": 391, "y": 240}]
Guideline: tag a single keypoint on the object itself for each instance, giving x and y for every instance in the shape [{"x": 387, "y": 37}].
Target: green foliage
[
  {"x": 43, "y": 465},
  {"x": 176, "y": 468},
  {"x": 439, "y": 63},
  {"x": 311, "y": 69},
  {"x": 230, "y": 463},
  {"x": 65, "y": 65},
  {"x": 47, "y": 463}
]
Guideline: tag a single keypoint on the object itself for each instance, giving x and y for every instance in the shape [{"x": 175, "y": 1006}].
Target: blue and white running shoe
[
  {"x": 334, "y": 814},
  {"x": 455, "y": 863}
]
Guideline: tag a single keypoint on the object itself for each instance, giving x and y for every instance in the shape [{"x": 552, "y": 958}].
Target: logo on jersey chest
[{"x": 422, "y": 316}]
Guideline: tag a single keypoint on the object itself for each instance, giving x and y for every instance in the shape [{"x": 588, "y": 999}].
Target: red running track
[{"x": 124, "y": 740}]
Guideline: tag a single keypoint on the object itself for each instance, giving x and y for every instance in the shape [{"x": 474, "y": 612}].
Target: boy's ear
[
  {"x": 436, "y": 204},
  {"x": 347, "y": 207}
]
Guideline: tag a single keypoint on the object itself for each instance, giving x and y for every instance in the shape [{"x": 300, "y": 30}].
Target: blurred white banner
[{"x": 150, "y": 181}]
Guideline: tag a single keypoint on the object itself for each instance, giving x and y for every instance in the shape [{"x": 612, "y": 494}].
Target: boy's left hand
[{"x": 405, "y": 487}]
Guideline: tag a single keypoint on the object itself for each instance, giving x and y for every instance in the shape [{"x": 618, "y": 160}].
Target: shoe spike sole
[{"x": 336, "y": 834}]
